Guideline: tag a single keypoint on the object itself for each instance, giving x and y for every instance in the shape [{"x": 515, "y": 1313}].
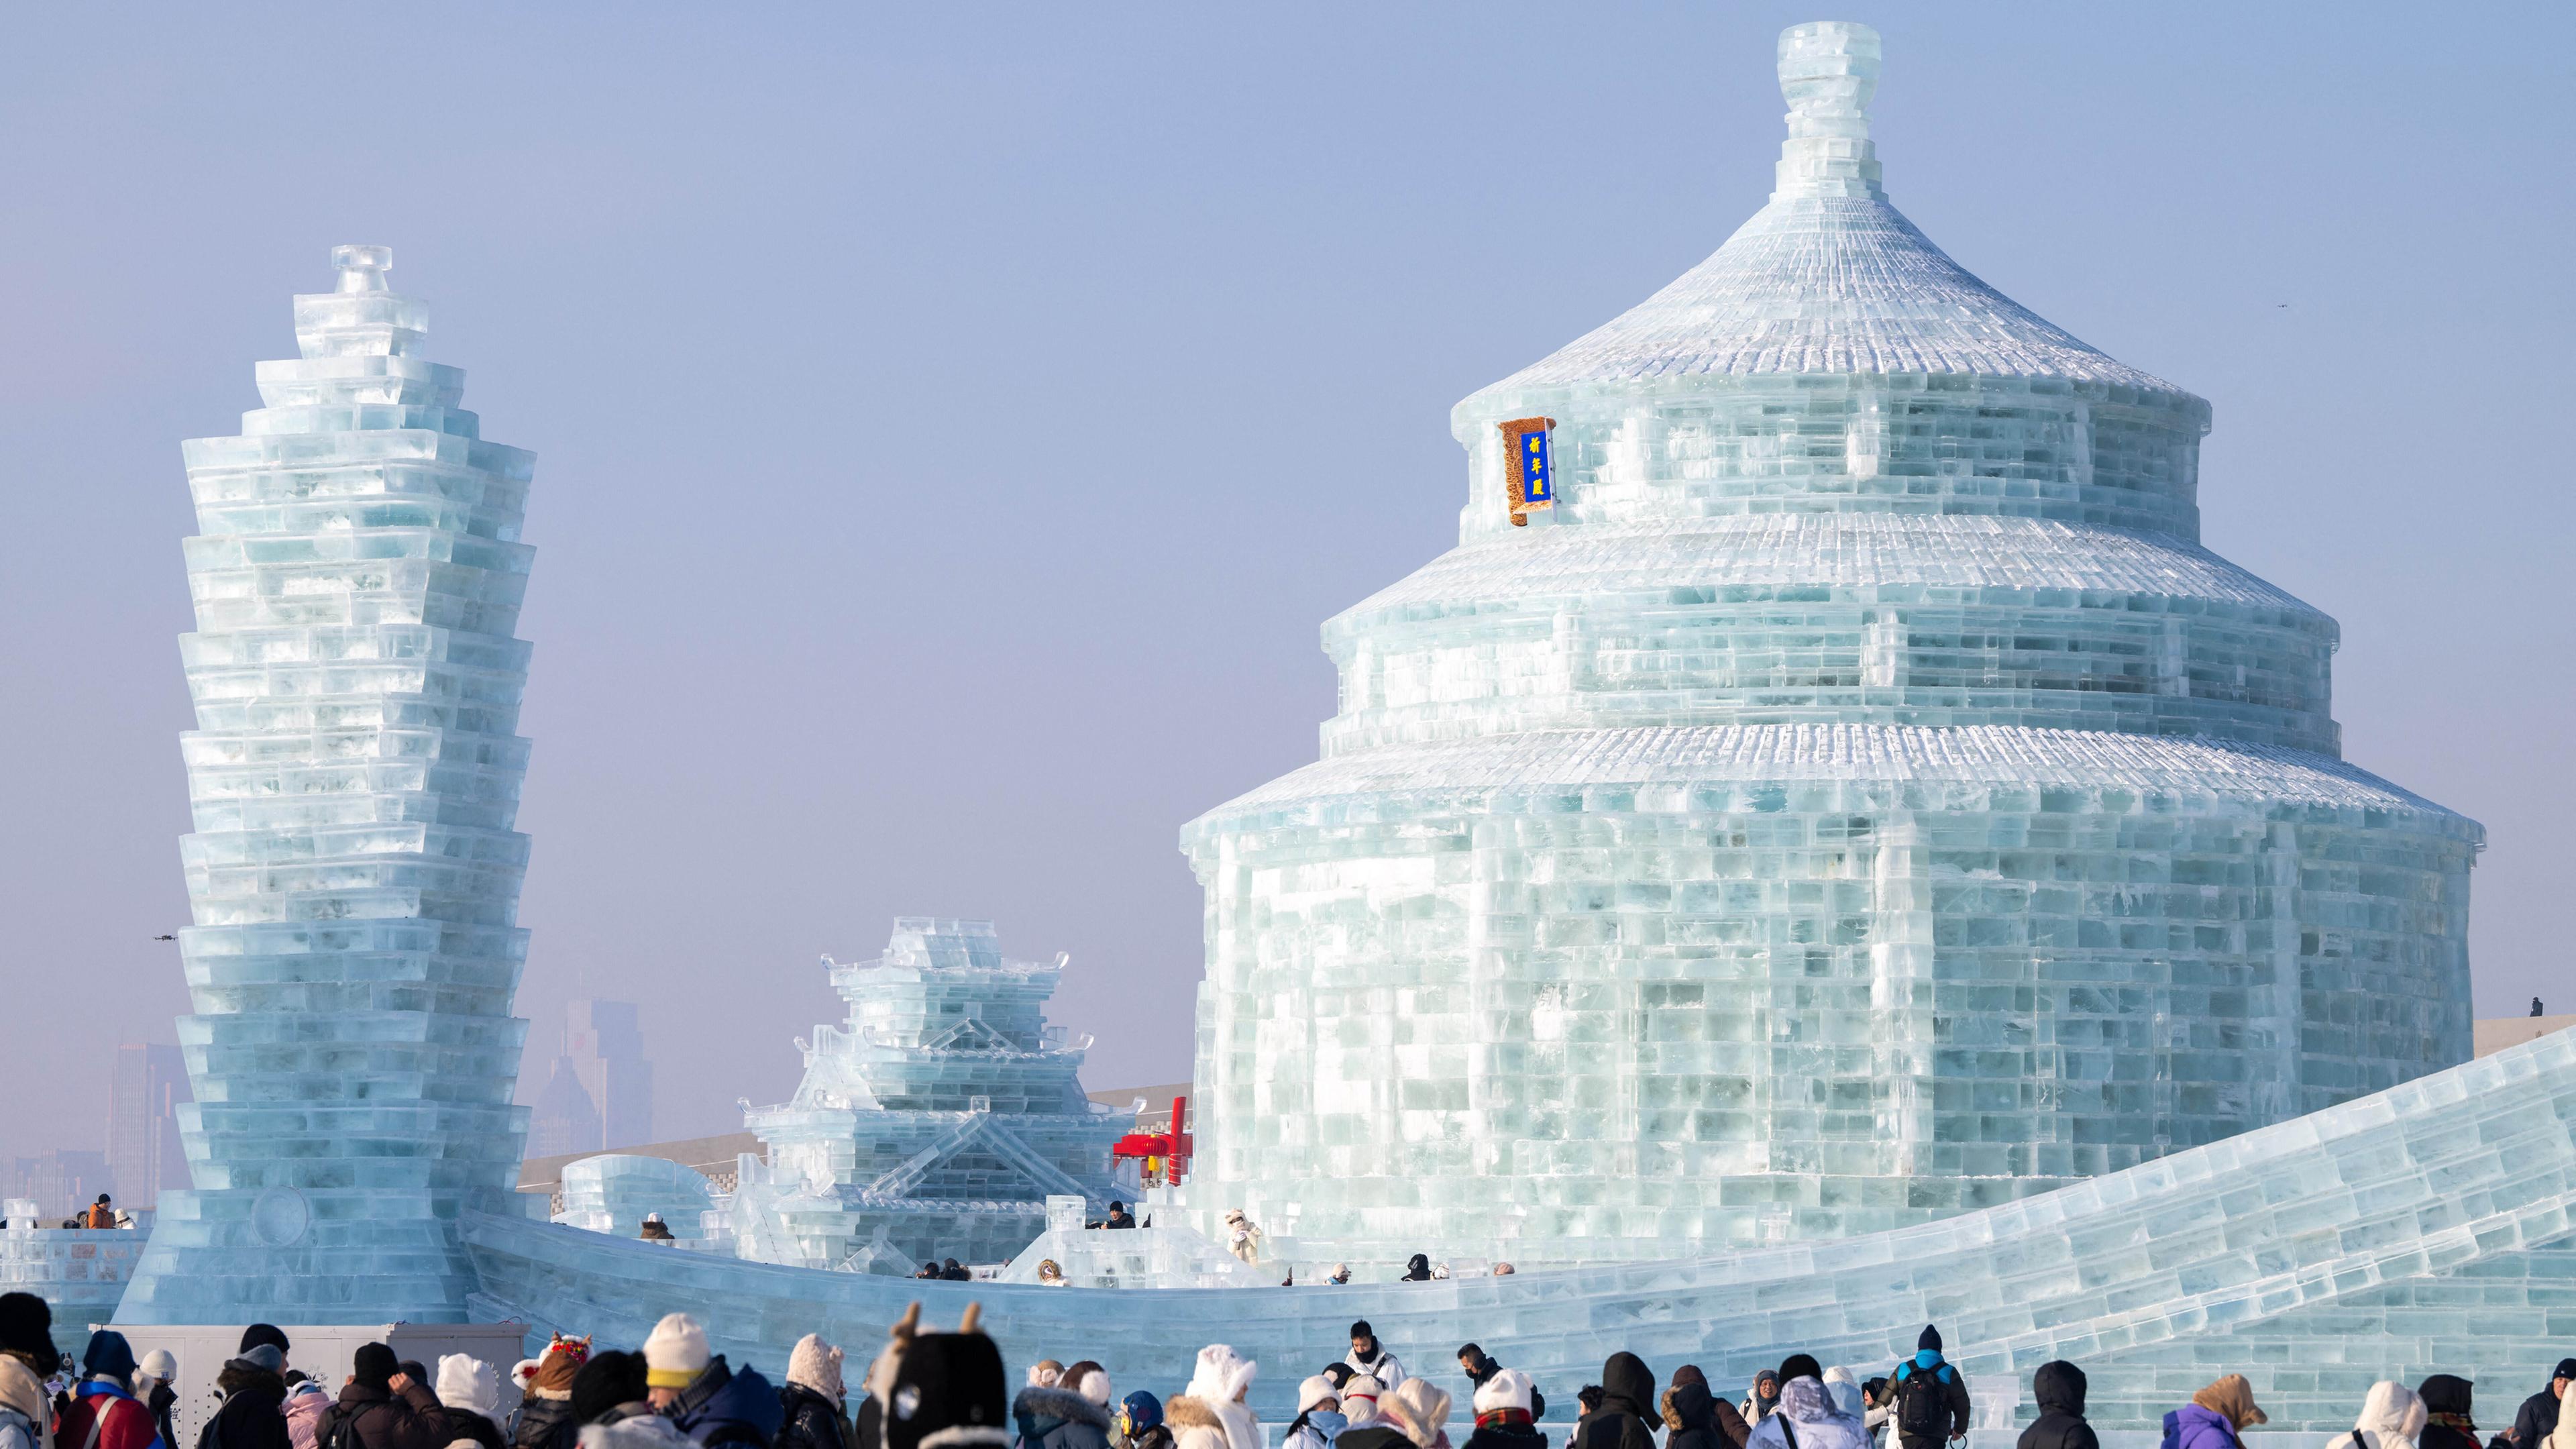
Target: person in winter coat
[
  {"x": 1418, "y": 1415},
  {"x": 1761, "y": 1398},
  {"x": 2446, "y": 1412},
  {"x": 469, "y": 1394},
  {"x": 1140, "y": 1423},
  {"x": 1319, "y": 1418},
  {"x": 1360, "y": 1396},
  {"x": 2058, "y": 1389},
  {"x": 26, "y": 1356},
  {"x": 2214, "y": 1417},
  {"x": 1627, "y": 1392},
  {"x": 152, "y": 1386},
  {"x": 306, "y": 1402},
  {"x": 252, "y": 1415},
  {"x": 1505, "y": 1418},
  {"x": 1368, "y": 1356},
  {"x": 1845, "y": 1388},
  {"x": 1480, "y": 1366},
  {"x": 1690, "y": 1412},
  {"x": 384, "y": 1407},
  {"x": 1211, "y": 1413},
  {"x": 1931, "y": 1399},
  {"x": 1730, "y": 1423},
  {"x": 810, "y": 1402},
  {"x": 1807, "y": 1410},
  {"x": 2537, "y": 1419},
  {"x": 1072, "y": 1415},
  {"x": 1879, "y": 1394},
  {"x": 701, "y": 1395},
  {"x": 1417, "y": 1269},
  {"x": 102, "y": 1409},
  {"x": 612, "y": 1405},
  {"x": 2392, "y": 1417},
  {"x": 546, "y": 1419}
]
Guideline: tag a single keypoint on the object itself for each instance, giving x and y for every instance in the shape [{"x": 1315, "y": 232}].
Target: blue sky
[{"x": 921, "y": 528}]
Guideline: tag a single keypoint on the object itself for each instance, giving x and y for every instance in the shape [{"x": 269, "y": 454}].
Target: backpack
[{"x": 1922, "y": 1408}]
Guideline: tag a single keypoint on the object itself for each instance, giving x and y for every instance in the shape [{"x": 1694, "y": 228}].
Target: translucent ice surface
[
  {"x": 1860, "y": 800},
  {"x": 353, "y": 875}
]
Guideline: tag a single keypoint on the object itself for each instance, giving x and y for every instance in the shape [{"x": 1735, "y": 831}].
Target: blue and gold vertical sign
[{"x": 1529, "y": 467}]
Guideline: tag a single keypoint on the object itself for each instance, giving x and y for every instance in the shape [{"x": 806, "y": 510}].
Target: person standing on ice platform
[
  {"x": 1368, "y": 1356},
  {"x": 1931, "y": 1397}
]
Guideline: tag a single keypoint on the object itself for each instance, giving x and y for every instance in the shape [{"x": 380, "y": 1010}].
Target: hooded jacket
[
  {"x": 380, "y": 1419},
  {"x": 721, "y": 1406},
  {"x": 123, "y": 1422},
  {"x": 1627, "y": 1399},
  {"x": 1210, "y": 1413},
  {"x": 2537, "y": 1419},
  {"x": 24, "y": 1414},
  {"x": 2392, "y": 1417},
  {"x": 2058, "y": 1388},
  {"x": 1059, "y": 1419},
  {"x": 305, "y": 1403},
  {"x": 1691, "y": 1410},
  {"x": 809, "y": 1419},
  {"x": 1805, "y": 1403},
  {"x": 2446, "y": 1408},
  {"x": 252, "y": 1415}
]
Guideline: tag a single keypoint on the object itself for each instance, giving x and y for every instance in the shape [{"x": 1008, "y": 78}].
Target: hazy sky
[{"x": 920, "y": 526}]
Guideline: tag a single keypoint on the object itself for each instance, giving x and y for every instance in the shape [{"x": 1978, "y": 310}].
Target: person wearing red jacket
[{"x": 103, "y": 1414}]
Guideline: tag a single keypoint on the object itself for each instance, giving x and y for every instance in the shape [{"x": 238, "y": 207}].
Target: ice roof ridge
[{"x": 1828, "y": 72}]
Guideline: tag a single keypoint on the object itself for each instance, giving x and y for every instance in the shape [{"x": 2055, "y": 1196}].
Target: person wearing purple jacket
[{"x": 2214, "y": 1417}]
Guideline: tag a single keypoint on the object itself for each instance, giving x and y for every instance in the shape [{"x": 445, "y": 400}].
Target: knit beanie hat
[
  {"x": 1419, "y": 1409},
  {"x": 109, "y": 1356},
  {"x": 259, "y": 1333},
  {"x": 1509, "y": 1389},
  {"x": 1314, "y": 1391},
  {"x": 816, "y": 1365},
  {"x": 947, "y": 1390},
  {"x": 466, "y": 1382},
  {"x": 27, "y": 1327},
  {"x": 160, "y": 1364},
  {"x": 563, "y": 1358},
  {"x": 373, "y": 1365},
  {"x": 675, "y": 1352},
  {"x": 1931, "y": 1339},
  {"x": 258, "y": 1356},
  {"x": 604, "y": 1381}
]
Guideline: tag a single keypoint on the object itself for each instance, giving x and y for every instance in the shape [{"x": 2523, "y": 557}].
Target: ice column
[{"x": 354, "y": 877}]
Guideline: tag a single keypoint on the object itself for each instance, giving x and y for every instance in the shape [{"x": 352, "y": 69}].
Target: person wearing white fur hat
[
  {"x": 469, "y": 1395},
  {"x": 1071, "y": 1413},
  {"x": 700, "y": 1394},
  {"x": 813, "y": 1397},
  {"x": 1211, "y": 1413},
  {"x": 1319, "y": 1416},
  {"x": 1360, "y": 1395},
  {"x": 1413, "y": 1415},
  {"x": 1504, "y": 1415}
]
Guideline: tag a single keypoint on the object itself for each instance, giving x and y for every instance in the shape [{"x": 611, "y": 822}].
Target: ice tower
[
  {"x": 935, "y": 1121},
  {"x": 1859, "y": 800},
  {"x": 354, "y": 876}
]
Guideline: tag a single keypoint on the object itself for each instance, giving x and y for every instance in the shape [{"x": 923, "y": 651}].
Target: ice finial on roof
[
  {"x": 1828, "y": 71},
  {"x": 362, "y": 269}
]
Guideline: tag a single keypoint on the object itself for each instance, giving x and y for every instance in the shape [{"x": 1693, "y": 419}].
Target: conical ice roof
[{"x": 1828, "y": 278}]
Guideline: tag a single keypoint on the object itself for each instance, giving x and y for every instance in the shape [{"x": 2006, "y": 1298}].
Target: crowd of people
[{"x": 934, "y": 1390}]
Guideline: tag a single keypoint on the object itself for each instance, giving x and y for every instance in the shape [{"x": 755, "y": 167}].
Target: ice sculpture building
[
  {"x": 935, "y": 1121},
  {"x": 353, "y": 876},
  {"x": 1860, "y": 799}
]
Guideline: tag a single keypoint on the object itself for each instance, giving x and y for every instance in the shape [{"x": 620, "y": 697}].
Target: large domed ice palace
[{"x": 1840, "y": 792}]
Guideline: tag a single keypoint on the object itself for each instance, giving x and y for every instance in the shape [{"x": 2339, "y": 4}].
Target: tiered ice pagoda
[{"x": 935, "y": 1121}]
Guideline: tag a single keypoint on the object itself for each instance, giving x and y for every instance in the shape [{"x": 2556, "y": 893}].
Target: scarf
[
  {"x": 2456, "y": 1421},
  {"x": 1502, "y": 1418}
]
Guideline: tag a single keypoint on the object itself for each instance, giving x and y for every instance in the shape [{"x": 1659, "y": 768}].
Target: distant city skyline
[{"x": 597, "y": 1092}]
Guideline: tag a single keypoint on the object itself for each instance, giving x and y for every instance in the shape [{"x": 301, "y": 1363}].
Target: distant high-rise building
[
  {"x": 59, "y": 1181},
  {"x": 143, "y": 1152},
  {"x": 600, "y": 1092}
]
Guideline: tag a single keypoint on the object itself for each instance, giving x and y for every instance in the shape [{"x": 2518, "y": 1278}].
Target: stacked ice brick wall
[
  {"x": 1859, "y": 800},
  {"x": 353, "y": 875},
  {"x": 943, "y": 1111}
]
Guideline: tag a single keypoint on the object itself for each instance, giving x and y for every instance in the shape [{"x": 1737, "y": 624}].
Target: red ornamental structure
[{"x": 1165, "y": 1155}]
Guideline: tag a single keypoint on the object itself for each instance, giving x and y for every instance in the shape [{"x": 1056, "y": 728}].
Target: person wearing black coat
[
  {"x": 252, "y": 1414},
  {"x": 2538, "y": 1417},
  {"x": 2058, "y": 1388},
  {"x": 811, "y": 1420},
  {"x": 2447, "y": 1424},
  {"x": 1627, "y": 1399},
  {"x": 1479, "y": 1366},
  {"x": 1696, "y": 1410}
]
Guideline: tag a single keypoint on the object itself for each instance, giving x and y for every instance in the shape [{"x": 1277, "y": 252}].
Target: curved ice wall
[
  {"x": 354, "y": 876},
  {"x": 1861, "y": 799}
]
